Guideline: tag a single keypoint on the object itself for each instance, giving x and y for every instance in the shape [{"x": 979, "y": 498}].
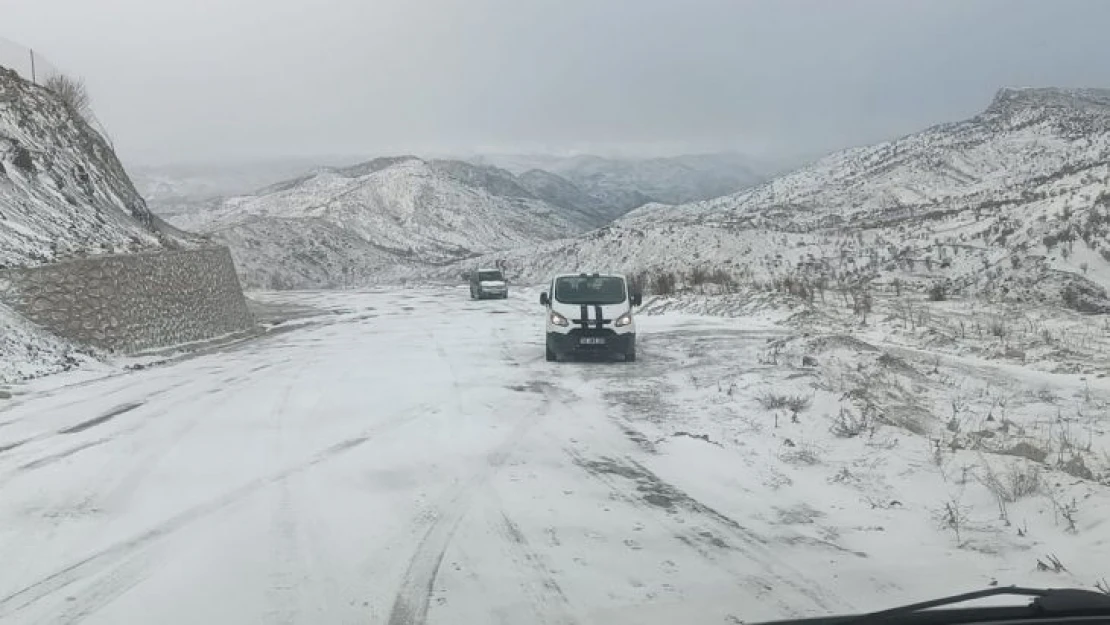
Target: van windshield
[
  {"x": 589, "y": 290},
  {"x": 489, "y": 276}
]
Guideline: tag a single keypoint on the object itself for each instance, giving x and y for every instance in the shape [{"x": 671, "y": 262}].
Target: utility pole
[{"x": 34, "y": 78}]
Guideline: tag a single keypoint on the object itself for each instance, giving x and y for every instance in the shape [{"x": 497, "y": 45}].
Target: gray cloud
[{"x": 188, "y": 80}]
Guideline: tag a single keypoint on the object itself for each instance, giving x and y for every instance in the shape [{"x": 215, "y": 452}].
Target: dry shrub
[{"x": 72, "y": 91}]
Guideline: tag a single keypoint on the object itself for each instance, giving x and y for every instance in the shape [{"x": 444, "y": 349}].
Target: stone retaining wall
[{"x": 133, "y": 302}]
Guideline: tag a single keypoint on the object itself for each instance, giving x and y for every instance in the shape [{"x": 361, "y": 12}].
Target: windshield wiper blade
[{"x": 1047, "y": 602}]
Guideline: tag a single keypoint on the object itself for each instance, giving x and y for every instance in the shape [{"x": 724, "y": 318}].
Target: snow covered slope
[
  {"x": 63, "y": 192},
  {"x": 174, "y": 189},
  {"x": 28, "y": 351},
  {"x": 343, "y": 226},
  {"x": 559, "y": 191},
  {"x": 1014, "y": 202}
]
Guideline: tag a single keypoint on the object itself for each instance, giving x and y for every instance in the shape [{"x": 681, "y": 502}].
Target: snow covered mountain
[
  {"x": 559, "y": 191},
  {"x": 63, "y": 192},
  {"x": 344, "y": 226},
  {"x": 624, "y": 184},
  {"x": 1013, "y": 203},
  {"x": 173, "y": 189}
]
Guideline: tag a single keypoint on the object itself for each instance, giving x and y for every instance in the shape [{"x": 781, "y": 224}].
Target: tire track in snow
[
  {"x": 410, "y": 606},
  {"x": 634, "y": 484},
  {"x": 109, "y": 584},
  {"x": 282, "y": 599},
  {"x": 102, "y": 559},
  {"x": 136, "y": 426},
  {"x": 640, "y": 487},
  {"x": 655, "y": 498},
  {"x": 132, "y": 571}
]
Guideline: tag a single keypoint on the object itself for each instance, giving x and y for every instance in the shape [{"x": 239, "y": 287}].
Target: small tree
[{"x": 72, "y": 91}]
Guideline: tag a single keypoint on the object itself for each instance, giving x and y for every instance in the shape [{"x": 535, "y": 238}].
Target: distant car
[
  {"x": 488, "y": 283},
  {"x": 590, "y": 315}
]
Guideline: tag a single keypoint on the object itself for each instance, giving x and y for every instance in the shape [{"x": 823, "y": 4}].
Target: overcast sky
[{"x": 206, "y": 80}]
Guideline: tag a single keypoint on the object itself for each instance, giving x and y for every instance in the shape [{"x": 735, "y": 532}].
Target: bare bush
[
  {"x": 848, "y": 424},
  {"x": 721, "y": 277},
  {"x": 638, "y": 282},
  {"x": 699, "y": 276},
  {"x": 663, "y": 283},
  {"x": 797, "y": 403},
  {"x": 1020, "y": 481},
  {"x": 774, "y": 401},
  {"x": 952, "y": 515},
  {"x": 804, "y": 453},
  {"x": 1066, "y": 512},
  {"x": 1053, "y": 564},
  {"x": 72, "y": 91},
  {"x": 1076, "y": 467}
]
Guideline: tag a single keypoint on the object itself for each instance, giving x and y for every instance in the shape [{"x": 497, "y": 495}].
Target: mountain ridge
[
  {"x": 364, "y": 218},
  {"x": 627, "y": 183},
  {"x": 1013, "y": 202}
]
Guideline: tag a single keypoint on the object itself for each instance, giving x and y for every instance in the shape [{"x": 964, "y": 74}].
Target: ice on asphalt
[{"x": 409, "y": 457}]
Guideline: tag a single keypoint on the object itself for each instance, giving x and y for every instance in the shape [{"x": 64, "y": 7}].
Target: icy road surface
[{"x": 410, "y": 458}]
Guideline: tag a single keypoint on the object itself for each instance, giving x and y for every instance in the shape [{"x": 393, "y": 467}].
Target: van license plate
[{"x": 589, "y": 340}]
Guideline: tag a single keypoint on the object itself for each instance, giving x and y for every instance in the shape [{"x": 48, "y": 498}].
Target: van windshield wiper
[{"x": 1047, "y": 603}]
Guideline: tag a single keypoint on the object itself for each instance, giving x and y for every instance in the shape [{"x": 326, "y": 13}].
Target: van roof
[{"x": 589, "y": 275}]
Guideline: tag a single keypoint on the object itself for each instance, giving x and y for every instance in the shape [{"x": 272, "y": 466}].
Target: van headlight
[
  {"x": 623, "y": 320},
  {"x": 559, "y": 320}
]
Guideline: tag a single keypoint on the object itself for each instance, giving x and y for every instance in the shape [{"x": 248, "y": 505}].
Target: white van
[
  {"x": 488, "y": 283},
  {"x": 590, "y": 314}
]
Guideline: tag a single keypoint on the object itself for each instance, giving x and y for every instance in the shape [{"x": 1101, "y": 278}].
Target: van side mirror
[
  {"x": 637, "y": 299},
  {"x": 544, "y": 299}
]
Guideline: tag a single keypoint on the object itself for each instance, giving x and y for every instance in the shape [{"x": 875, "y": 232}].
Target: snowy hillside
[
  {"x": 63, "y": 193},
  {"x": 28, "y": 351},
  {"x": 1013, "y": 203},
  {"x": 628, "y": 183},
  {"x": 343, "y": 226},
  {"x": 173, "y": 189},
  {"x": 559, "y": 191}
]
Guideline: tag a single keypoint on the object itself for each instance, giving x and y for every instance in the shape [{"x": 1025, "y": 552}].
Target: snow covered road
[
  {"x": 407, "y": 457},
  {"x": 411, "y": 460}
]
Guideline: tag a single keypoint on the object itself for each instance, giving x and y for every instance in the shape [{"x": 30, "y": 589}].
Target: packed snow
[{"x": 406, "y": 456}]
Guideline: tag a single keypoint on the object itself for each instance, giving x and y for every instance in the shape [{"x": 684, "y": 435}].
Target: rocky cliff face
[{"x": 63, "y": 192}]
